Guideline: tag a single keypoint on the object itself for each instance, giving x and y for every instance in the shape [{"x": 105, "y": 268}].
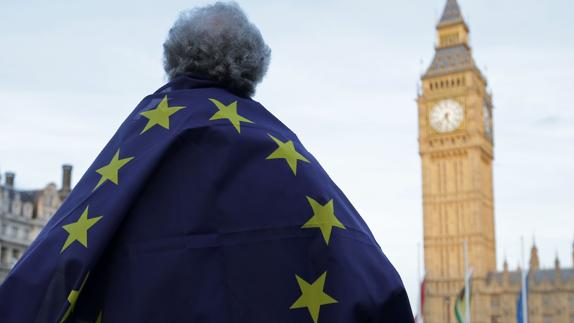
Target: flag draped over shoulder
[{"x": 203, "y": 207}]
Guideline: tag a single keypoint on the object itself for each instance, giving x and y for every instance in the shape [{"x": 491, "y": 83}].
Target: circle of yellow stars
[{"x": 323, "y": 218}]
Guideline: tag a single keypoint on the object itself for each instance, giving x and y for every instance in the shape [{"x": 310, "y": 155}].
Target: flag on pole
[
  {"x": 522, "y": 301},
  {"x": 419, "y": 316},
  {"x": 460, "y": 305}
]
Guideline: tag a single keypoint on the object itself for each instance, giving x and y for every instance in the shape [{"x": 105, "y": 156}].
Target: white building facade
[{"x": 23, "y": 214}]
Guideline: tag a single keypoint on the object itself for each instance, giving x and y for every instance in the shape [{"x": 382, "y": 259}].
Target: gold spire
[{"x": 534, "y": 261}]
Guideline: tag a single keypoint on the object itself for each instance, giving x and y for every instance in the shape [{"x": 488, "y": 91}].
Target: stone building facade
[
  {"x": 23, "y": 214},
  {"x": 550, "y": 298},
  {"x": 456, "y": 141}
]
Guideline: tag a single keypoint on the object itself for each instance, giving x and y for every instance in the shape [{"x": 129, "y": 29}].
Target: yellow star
[
  {"x": 78, "y": 231},
  {"x": 110, "y": 171},
  {"x": 312, "y": 296},
  {"x": 72, "y": 299},
  {"x": 323, "y": 218},
  {"x": 160, "y": 115},
  {"x": 287, "y": 150},
  {"x": 229, "y": 112}
]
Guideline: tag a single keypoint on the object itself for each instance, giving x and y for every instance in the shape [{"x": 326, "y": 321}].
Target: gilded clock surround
[{"x": 460, "y": 128}]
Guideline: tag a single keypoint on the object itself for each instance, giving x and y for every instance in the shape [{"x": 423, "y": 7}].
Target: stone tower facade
[{"x": 456, "y": 151}]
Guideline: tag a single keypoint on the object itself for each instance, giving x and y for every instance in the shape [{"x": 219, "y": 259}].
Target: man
[{"x": 204, "y": 207}]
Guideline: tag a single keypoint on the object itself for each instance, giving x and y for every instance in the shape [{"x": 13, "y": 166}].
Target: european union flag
[{"x": 204, "y": 207}]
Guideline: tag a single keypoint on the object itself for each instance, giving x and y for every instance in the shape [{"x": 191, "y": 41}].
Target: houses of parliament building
[{"x": 456, "y": 151}]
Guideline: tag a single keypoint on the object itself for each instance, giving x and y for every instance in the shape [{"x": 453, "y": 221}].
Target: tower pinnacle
[
  {"x": 451, "y": 14},
  {"x": 453, "y": 53},
  {"x": 534, "y": 261}
]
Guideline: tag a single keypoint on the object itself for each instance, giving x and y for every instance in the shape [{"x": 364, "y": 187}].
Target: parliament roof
[{"x": 537, "y": 276}]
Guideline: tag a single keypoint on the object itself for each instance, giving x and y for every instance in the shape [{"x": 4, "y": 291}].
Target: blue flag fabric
[
  {"x": 204, "y": 207},
  {"x": 520, "y": 302}
]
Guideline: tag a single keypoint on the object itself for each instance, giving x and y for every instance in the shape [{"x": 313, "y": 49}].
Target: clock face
[
  {"x": 446, "y": 116},
  {"x": 487, "y": 120}
]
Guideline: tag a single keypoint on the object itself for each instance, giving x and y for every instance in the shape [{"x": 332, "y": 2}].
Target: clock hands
[{"x": 446, "y": 116}]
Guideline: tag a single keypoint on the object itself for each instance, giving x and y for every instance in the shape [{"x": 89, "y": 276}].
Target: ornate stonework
[
  {"x": 23, "y": 214},
  {"x": 456, "y": 149}
]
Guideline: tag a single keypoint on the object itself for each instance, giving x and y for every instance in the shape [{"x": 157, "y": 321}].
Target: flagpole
[
  {"x": 524, "y": 286},
  {"x": 420, "y": 288},
  {"x": 466, "y": 283}
]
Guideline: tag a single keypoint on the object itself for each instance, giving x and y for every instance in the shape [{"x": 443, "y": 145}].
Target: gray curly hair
[{"x": 219, "y": 43}]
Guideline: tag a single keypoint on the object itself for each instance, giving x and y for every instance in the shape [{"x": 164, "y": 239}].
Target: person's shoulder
[{"x": 217, "y": 106}]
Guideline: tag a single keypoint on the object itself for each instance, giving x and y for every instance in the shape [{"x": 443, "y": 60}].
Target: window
[
  {"x": 3, "y": 255},
  {"x": 547, "y": 319},
  {"x": 16, "y": 207},
  {"x": 495, "y": 302},
  {"x": 15, "y": 254},
  {"x": 27, "y": 210},
  {"x": 546, "y": 301},
  {"x": 449, "y": 39},
  {"x": 10, "y": 230}
]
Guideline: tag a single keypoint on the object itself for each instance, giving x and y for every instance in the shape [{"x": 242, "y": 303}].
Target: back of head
[{"x": 217, "y": 42}]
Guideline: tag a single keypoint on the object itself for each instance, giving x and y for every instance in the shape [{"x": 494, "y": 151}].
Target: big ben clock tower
[{"x": 456, "y": 149}]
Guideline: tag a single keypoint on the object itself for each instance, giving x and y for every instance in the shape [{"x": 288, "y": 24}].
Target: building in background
[
  {"x": 23, "y": 214},
  {"x": 456, "y": 150}
]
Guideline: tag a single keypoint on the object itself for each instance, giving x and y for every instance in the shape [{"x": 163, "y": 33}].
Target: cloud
[{"x": 551, "y": 120}]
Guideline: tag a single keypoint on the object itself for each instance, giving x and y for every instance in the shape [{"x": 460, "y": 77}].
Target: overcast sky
[{"x": 343, "y": 76}]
